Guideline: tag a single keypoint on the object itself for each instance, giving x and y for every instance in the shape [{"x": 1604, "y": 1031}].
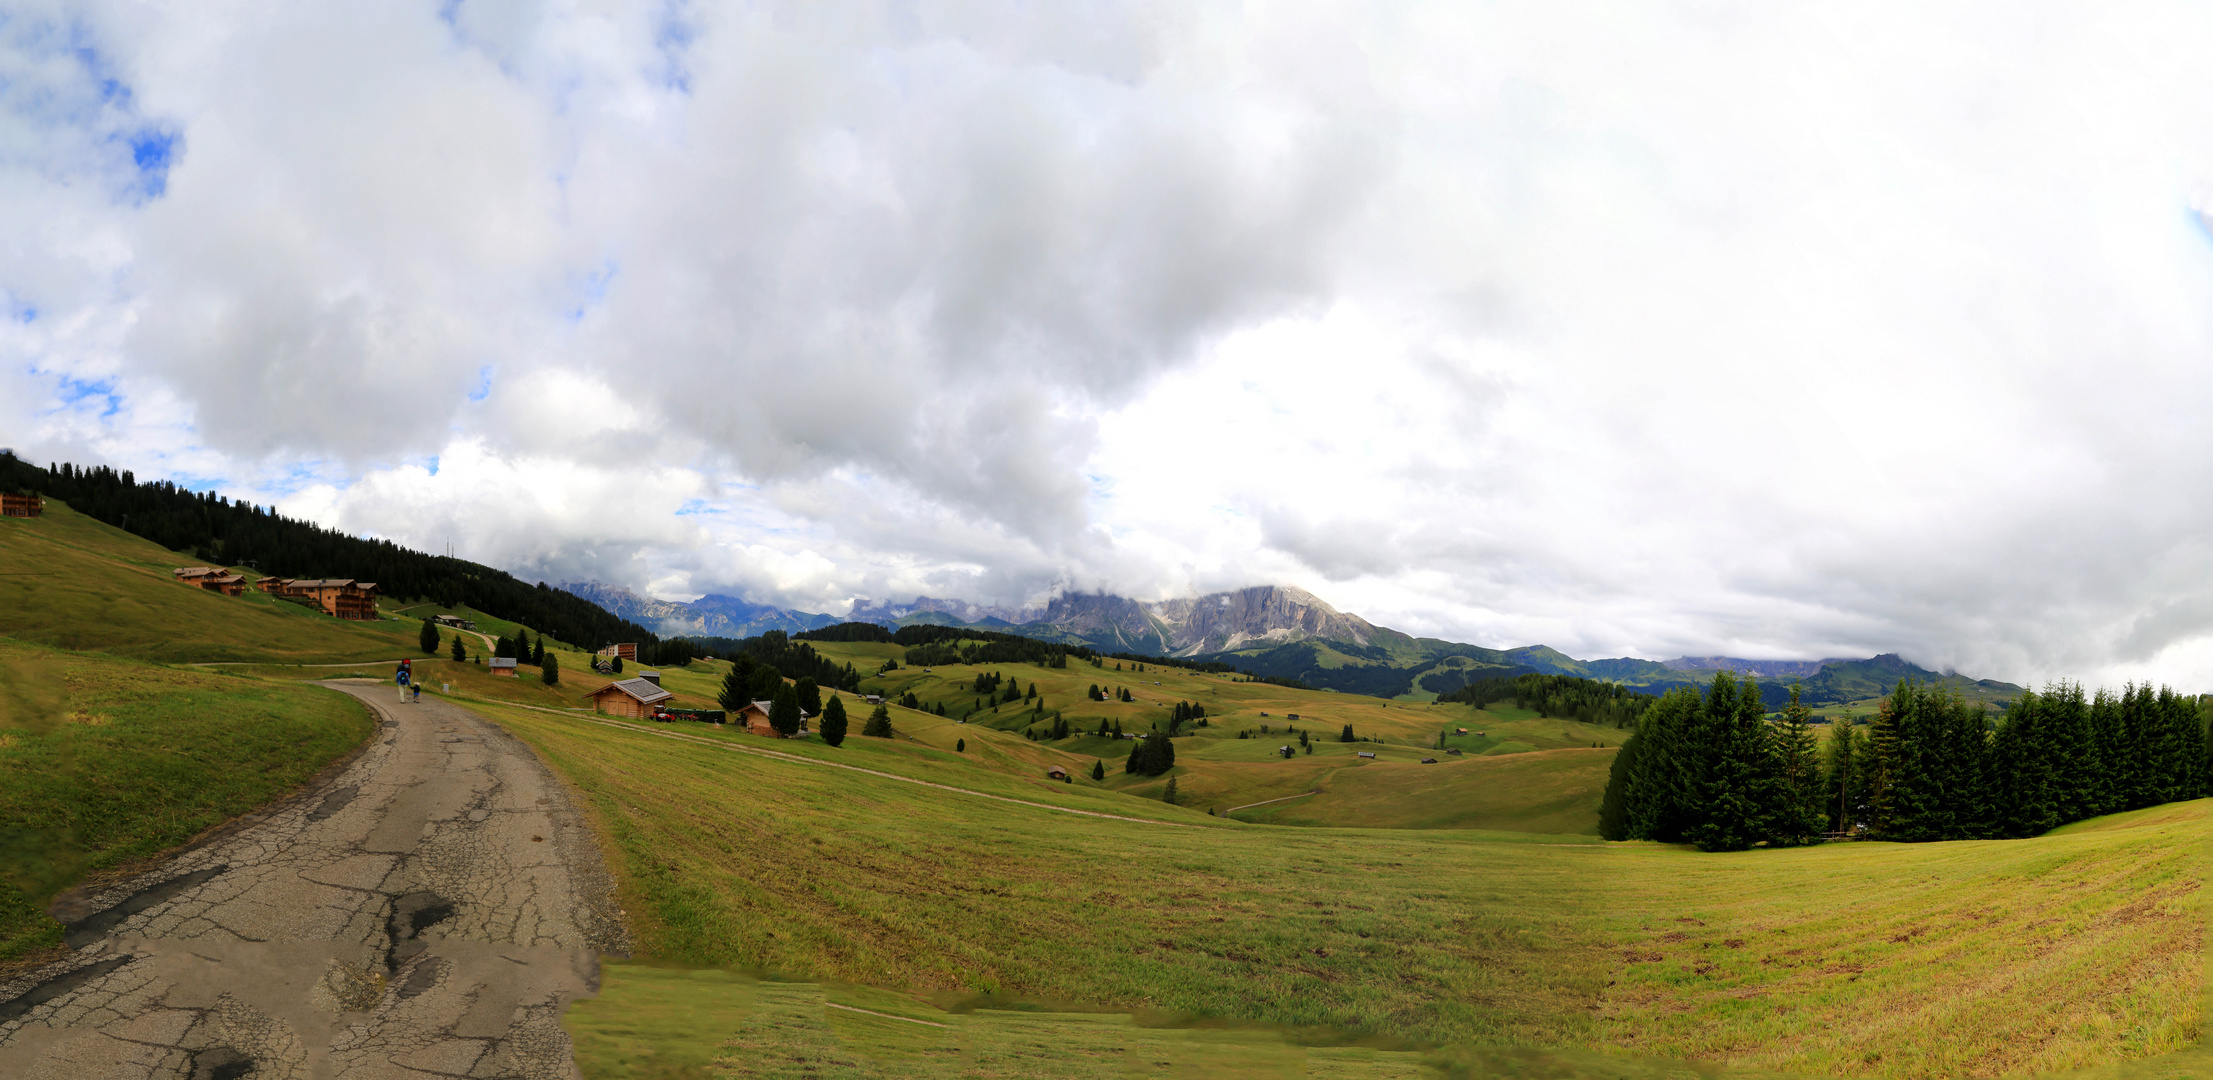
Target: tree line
[
  {"x": 1712, "y": 770},
  {"x": 230, "y": 533},
  {"x": 1566, "y": 697}
]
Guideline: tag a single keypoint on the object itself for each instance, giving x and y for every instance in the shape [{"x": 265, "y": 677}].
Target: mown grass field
[
  {"x": 1549, "y": 791},
  {"x": 106, "y": 760},
  {"x": 1858, "y": 959}
]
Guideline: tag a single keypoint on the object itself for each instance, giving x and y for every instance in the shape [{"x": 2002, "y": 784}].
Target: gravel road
[{"x": 427, "y": 912}]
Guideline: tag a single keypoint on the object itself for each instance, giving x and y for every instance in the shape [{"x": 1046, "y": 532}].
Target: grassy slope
[
  {"x": 1551, "y": 791},
  {"x": 105, "y": 760},
  {"x": 74, "y": 583},
  {"x": 1215, "y": 768},
  {"x": 1867, "y": 959}
]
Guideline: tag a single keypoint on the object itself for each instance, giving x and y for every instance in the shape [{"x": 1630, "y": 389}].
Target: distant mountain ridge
[
  {"x": 1287, "y": 632},
  {"x": 713, "y": 615}
]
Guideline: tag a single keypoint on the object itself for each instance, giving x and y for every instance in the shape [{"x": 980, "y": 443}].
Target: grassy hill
[{"x": 1856, "y": 959}]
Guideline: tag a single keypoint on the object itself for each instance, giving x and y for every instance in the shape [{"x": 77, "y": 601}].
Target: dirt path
[{"x": 426, "y": 913}]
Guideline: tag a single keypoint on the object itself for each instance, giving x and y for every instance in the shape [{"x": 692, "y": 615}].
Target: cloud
[{"x": 1766, "y": 329}]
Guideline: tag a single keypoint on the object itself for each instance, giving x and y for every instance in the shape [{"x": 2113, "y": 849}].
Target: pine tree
[
  {"x": 549, "y": 672},
  {"x": 1844, "y": 776},
  {"x": 879, "y": 724},
  {"x": 429, "y": 638},
  {"x": 460, "y": 651},
  {"x": 1346, "y": 736},
  {"x": 1098, "y": 769},
  {"x": 1170, "y": 796},
  {"x": 737, "y": 689},
  {"x": 960, "y": 746},
  {"x": 1740, "y": 799},
  {"x": 783, "y": 711},
  {"x": 810, "y": 696},
  {"x": 538, "y": 651},
  {"x": 833, "y": 721},
  {"x": 1797, "y": 752}
]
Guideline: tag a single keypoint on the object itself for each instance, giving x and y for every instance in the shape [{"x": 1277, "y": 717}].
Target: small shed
[
  {"x": 1463, "y": 731},
  {"x": 633, "y": 698},
  {"x": 754, "y": 719},
  {"x": 1455, "y": 751},
  {"x": 1055, "y": 772},
  {"x": 1429, "y": 761},
  {"x": 873, "y": 699},
  {"x": 653, "y": 677},
  {"x": 1366, "y": 754},
  {"x": 1292, "y": 716},
  {"x": 503, "y": 665}
]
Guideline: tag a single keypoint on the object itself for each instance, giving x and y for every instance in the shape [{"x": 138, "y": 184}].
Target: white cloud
[{"x": 1766, "y": 329}]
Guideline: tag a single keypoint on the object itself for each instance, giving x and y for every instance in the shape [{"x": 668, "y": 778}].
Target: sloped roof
[
  {"x": 502, "y": 661},
  {"x": 645, "y": 692}
]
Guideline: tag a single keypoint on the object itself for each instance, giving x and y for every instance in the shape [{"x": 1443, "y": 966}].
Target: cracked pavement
[{"x": 427, "y": 912}]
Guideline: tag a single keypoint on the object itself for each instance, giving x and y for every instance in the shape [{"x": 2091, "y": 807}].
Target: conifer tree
[
  {"x": 429, "y": 638},
  {"x": 1170, "y": 796},
  {"x": 1740, "y": 799},
  {"x": 538, "y": 651},
  {"x": 737, "y": 687},
  {"x": 879, "y": 724},
  {"x": 810, "y": 696},
  {"x": 833, "y": 721},
  {"x": 549, "y": 672},
  {"x": 1098, "y": 769},
  {"x": 460, "y": 651},
  {"x": 1797, "y": 753},
  {"x": 960, "y": 746},
  {"x": 1844, "y": 777},
  {"x": 783, "y": 711}
]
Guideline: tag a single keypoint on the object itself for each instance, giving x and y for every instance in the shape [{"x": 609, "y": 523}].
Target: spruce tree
[
  {"x": 810, "y": 696},
  {"x": 1843, "y": 769},
  {"x": 429, "y": 638},
  {"x": 960, "y": 746},
  {"x": 1740, "y": 799},
  {"x": 460, "y": 651},
  {"x": 1798, "y": 755},
  {"x": 737, "y": 689},
  {"x": 783, "y": 711},
  {"x": 879, "y": 724},
  {"x": 833, "y": 720},
  {"x": 1098, "y": 769},
  {"x": 1170, "y": 796},
  {"x": 538, "y": 651},
  {"x": 549, "y": 672},
  {"x": 1613, "y": 807}
]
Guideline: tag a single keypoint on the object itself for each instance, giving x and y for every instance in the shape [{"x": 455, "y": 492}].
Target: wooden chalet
[
  {"x": 502, "y": 665},
  {"x": 25, "y": 506},
  {"x": 272, "y": 584},
  {"x": 632, "y": 698},
  {"x": 342, "y": 598},
  {"x": 212, "y": 578}
]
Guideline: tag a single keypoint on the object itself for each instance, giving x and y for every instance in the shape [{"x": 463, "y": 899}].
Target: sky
[{"x": 1768, "y": 330}]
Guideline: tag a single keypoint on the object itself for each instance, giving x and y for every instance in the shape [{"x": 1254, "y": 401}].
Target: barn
[{"x": 632, "y": 698}]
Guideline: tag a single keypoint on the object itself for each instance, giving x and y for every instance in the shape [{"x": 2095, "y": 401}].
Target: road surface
[{"x": 427, "y": 912}]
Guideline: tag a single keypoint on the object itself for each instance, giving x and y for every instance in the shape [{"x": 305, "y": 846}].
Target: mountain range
[{"x": 1285, "y": 632}]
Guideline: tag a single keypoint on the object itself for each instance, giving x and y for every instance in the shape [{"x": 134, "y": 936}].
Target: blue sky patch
[{"x": 483, "y": 384}]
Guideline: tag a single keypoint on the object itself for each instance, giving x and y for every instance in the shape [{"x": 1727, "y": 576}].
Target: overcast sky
[{"x": 1630, "y": 329}]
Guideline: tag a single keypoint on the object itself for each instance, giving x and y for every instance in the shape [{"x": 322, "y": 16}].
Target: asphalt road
[{"x": 427, "y": 912}]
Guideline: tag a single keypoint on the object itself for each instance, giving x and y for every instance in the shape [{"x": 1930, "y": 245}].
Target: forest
[
  {"x": 227, "y": 533},
  {"x": 1567, "y": 697},
  {"x": 1712, "y": 770}
]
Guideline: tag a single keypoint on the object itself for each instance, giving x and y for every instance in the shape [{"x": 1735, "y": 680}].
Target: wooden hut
[
  {"x": 632, "y": 698},
  {"x": 502, "y": 665},
  {"x": 24, "y": 506},
  {"x": 1055, "y": 772}
]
